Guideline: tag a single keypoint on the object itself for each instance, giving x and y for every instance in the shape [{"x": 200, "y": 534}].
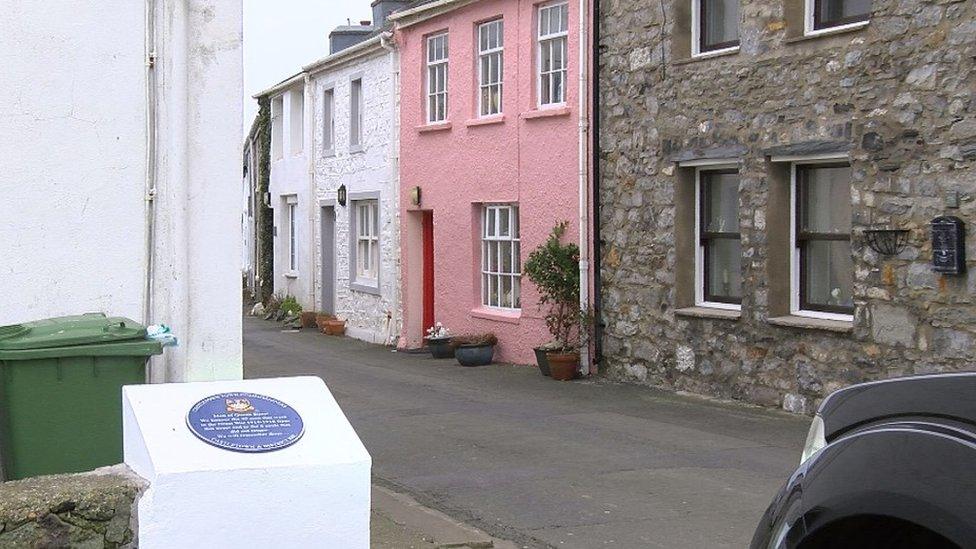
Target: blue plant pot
[
  {"x": 440, "y": 347},
  {"x": 474, "y": 355}
]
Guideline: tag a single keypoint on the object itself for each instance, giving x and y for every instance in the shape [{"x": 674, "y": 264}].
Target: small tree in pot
[{"x": 554, "y": 268}]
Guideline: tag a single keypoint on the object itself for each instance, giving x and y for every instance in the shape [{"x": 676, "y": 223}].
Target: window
[
  {"x": 437, "y": 78},
  {"x": 277, "y": 127},
  {"x": 296, "y": 121},
  {"x": 719, "y": 257},
  {"x": 553, "y": 33},
  {"x": 356, "y": 113},
  {"x": 501, "y": 265},
  {"x": 823, "y": 267},
  {"x": 328, "y": 121},
  {"x": 826, "y": 14},
  {"x": 490, "y": 67},
  {"x": 291, "y": 211},
  {"x": 715, "y": 25},
  {"x": 367, "y": 250}
]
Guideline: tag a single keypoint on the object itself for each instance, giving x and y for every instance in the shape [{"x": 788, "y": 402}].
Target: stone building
[{"x": 746, "y": 148}]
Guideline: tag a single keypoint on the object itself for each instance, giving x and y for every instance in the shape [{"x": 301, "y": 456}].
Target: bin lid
[{"x": 68, "y": 331}]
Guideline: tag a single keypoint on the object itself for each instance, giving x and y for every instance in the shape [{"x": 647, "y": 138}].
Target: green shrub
[{"x": 554, "y": 268}]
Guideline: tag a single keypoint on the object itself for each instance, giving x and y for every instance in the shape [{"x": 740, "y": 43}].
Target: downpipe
[
  {"x": 150, "y": 175},
  {"x": 584, "y": 203}
]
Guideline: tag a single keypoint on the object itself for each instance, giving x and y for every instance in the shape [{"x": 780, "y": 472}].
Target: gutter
[
  {"x": 281, "y": 86},
  {"x": 349, "y": 53},
  {"x": 412, "y": 16}
]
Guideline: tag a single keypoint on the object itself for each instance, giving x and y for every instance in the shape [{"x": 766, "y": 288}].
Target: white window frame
[
  {"x": 496, "y": 55},
  {"x": 436, "y": 64},
  {"x": 488, "y": 276},
  {"x": 808, "y": 22},
  {"x": 328, "y": 121},
  {"x": 795, "y": 309},
  {"x": 543, "y": 40},
  {"x": 277, "y": 128},
  {"x": 357, "y": 105},
  {"x": 370, "y": 240},
  {"x": 291, "y": 215},
  {"x": 699, "y": 249},
  {"x": 696, "y": 35},
  {"x": 296, "y": 124}
]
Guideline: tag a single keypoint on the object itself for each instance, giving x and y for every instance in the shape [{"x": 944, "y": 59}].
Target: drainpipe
[
  {"x": 150, "y": 174},
  {"x": 392, "y": 333},
  {"x": 584, "y": 203}
]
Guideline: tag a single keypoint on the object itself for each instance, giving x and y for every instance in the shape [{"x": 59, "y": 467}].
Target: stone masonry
[{"x": 899, "y": 92}]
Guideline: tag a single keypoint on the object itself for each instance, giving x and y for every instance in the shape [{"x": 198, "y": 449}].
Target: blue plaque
[{"x": 245, "y": 422}]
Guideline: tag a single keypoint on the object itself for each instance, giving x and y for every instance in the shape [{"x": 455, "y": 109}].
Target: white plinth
[{"x": 314, "y": 493}]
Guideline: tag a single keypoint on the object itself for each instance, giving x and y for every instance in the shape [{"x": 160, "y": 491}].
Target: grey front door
[{"x": 328, "y": 259}]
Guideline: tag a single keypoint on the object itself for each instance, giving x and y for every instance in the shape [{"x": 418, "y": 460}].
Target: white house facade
[
  {"x": 120, "y": 132},
  {"x": 355, "y": 180}
]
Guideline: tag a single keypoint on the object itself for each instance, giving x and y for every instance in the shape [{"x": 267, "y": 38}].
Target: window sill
[
  {"x": 707, "y": 55},
  {"x": 545, "y": 113},
  {"x": 709, "y": 312},
  {"x": 353, "y": 149},
  {"x": 486, "y": 121},
  {"x": 329, "y": 153},
  {"x": 291, "y": 274},
  {"x": 499, "y": 315},
  {"x": 810, "y": 323},
  {"x": 363, "y": 287},
  {"x": 438, "y": 127},
  {"x": 831, "y": 31}
]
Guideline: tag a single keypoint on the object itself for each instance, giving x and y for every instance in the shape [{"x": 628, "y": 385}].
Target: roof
[
  {"x": 281, "y": 86},
  {"x": 421, "y": 10}
]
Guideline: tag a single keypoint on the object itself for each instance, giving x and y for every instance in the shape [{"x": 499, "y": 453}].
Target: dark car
[{"x": 887, "y": 464}]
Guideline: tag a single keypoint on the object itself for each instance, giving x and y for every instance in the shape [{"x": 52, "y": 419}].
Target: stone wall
[
  {"x": 899, "y": 93},
  {"x": 94, "y": 509}
]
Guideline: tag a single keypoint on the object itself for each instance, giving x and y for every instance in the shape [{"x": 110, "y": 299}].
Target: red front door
[{"x": 428, "y": 230}]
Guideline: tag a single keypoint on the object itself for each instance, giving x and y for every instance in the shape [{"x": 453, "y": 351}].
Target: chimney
[{"x": 383, "y": 8}]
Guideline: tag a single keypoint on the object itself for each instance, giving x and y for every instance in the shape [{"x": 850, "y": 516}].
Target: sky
[{"x": 282, "y": 35}]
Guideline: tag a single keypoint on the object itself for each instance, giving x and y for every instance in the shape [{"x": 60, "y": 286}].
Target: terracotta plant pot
[
  {"x": 440, "y": 347},
  {"x": 309, "y": 319},
  {"x": 563, "y": 366},
  {"x": 321, "y": 319},
  {"x": 542, "y": 361},
  {"x": 334, "y": 327}
]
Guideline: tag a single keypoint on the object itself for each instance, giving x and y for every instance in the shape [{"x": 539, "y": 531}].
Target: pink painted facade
[{"x": 526, "y": 156}]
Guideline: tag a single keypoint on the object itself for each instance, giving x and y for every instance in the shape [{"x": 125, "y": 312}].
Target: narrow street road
[{"x": 572, "y": 464}]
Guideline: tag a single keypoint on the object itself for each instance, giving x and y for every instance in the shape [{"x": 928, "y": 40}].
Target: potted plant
[
  {"x": 321, "y": 319},
  {"x": 439, "y": 341},
  {"x": 540, "y": 356},
  {"x": 554, "y": 268},
  {"x": 309, "y": 319},
  {"x": 475, "y": 350},
  {"x": 334, "y": 326}
]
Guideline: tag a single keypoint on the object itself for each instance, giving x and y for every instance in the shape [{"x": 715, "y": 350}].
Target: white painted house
[
  {"x": 336, "y": 200},
  {"x": 120, "y": 131}
]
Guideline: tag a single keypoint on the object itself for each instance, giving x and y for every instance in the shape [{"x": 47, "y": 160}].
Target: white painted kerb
[{"x": 314, "y": 493}]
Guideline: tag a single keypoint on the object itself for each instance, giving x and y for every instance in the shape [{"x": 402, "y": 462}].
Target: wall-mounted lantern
[
  {"x": 887, "y": 241},
  {"x": 415, "y": 196},
  {"x": 341, "y": 195},
  {"x": 948, "y": 245}
]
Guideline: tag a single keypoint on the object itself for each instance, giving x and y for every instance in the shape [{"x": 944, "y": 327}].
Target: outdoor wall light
[
  {"x": 341, "y": 195},
  {"x": 415, "y": 196}
]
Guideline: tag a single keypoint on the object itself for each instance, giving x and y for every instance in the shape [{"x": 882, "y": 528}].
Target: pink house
[{"x": 491, "y": 140}]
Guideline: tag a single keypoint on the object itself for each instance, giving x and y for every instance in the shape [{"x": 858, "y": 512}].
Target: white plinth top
[{"x": 158, "y": 441}]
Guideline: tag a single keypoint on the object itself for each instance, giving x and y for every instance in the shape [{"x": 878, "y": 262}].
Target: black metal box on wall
[{"x": 948, "y": 245}]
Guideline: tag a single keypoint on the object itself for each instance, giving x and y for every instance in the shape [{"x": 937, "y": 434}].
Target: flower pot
[
  {"x": 542, "y": 360},
  {"x": 321, "y": 319},
  {"x": 309, "y": 319},
  {"x": 334, "y": 327},
  {"x": 474, "y": 355},
  {"x": 440, "y": 347},
  {"x": 563, "y": 366}
]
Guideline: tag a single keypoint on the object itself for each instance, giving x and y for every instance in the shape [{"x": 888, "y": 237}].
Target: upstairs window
[
  {"x": 296, "y": 121},
  {"x": 715, "y": 25},
  {"x": 719, "y": 262},
  {"x": 277, "y": 127},
  {"x": 437, "y": 78},
  {"x": 501, "y": 264},
  {"x": 356, "y": 113},
  {"x": 490, "y": 67},
  {"x": 823, "y": 263},
  {"x": 553, "y": 35},
  {"x": 328, "y": 121},
  {"x": 828, "y": 14}
]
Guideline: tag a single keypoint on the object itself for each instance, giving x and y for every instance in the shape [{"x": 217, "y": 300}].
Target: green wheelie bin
[{"x": 61, "y": 391}]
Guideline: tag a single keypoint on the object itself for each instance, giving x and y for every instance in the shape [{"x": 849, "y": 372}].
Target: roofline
[
  {"x": 351, "y": 53},
  {"x": 281, "y": 86},
  {"x": 412, "y": 16}
]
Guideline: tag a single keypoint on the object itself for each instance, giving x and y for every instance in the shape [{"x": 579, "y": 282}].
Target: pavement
[{"x": 541, "y": 463}]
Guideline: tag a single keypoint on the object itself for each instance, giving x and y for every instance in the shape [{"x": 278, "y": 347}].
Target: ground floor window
[
  {"x": 823, "y": 263},
  {"x": 291, "y": 211},
  {"x": 501, "y": 265},
  {"x": 719, "y": 271},
  {"x": 367, "y": 241}
]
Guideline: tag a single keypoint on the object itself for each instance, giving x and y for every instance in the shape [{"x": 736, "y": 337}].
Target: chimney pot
[{"x": 365, "y": 23}]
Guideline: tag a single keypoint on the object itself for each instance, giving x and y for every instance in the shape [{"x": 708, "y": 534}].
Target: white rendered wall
[
  {"x": 372, "y": 170},
  {"x": 289, "y": 177},
  {"x": 72, "y": 139}
]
